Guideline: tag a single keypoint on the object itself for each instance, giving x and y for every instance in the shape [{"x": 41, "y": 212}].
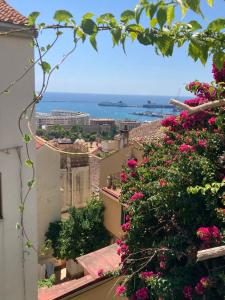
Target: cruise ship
[
  {"x": 150, "y": 104},
  {"x": 117, "y": 104}
]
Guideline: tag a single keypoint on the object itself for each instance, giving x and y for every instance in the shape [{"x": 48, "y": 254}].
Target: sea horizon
[{"x": 88, "y": 103}]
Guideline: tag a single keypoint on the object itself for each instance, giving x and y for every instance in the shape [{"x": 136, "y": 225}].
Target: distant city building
[
  {"x": 63, "y": 118},
  {"x": 110, "y": 122},
  {"x": 127, "y": 124}
]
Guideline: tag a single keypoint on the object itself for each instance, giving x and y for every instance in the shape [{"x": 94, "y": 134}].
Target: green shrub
[{"x": 82, "y": 233}]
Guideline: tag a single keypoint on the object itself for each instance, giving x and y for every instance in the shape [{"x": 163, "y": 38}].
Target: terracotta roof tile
[
  {"x": 147, "y": 132},
  {"x": 105, "y": 258},
  {"x": 9, "y": 15}
]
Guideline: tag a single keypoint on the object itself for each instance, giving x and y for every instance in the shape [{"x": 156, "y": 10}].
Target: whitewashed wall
[{"x": 18, "y": 278}]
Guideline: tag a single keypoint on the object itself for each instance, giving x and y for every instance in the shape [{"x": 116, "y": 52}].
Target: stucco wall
[
  {"x": 105, "y": 291},
  {"x": 113, "y": 164},
  {"x": 112, "y": 214},
  {"x": 48, "y": 190},
  {"x": 17, "y": 278}
]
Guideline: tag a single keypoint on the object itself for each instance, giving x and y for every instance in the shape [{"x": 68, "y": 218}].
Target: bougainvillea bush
[{"x": 175, "y": 201}]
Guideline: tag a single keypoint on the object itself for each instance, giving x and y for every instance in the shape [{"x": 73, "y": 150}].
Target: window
[{"x": 1, "y": 216}]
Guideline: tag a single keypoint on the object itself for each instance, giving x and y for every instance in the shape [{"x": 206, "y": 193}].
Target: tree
[{"x": 82, "y": 233}]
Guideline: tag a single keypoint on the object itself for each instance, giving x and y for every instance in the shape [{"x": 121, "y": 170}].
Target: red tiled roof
[
  {"x": 59, "y": 291},
  {"x": 10, "y": 15},
  {"x": 105, "y": 258},
  {"x": 39, "y": 141},
  {"x": 147, "y": 132}
]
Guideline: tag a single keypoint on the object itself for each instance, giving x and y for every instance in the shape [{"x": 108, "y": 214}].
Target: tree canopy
[{"x": 151, "y": 23}]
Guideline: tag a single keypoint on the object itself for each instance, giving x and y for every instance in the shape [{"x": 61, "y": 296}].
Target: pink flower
[
  {"x": 184, "y": 114},
  {"x": 146, "y": 275},
  {"x": 209, "y": 234},
  {"x": 162, "y": 265},
  {"x": 142, "y": 294},
  {"x": 123, "y": 177},
  {"x": 126, "y": 226},
  {"x": 162, "y": 182},
  {"x": 120, "y": 290},
  {"x": 184, "y": 148},
  {"x": 170, "y": 121},
  {"x": 100, "y": 273},
  {"x": 205, "y": 281},
  {"x": 187, "y": 292},
  {"x": 119, "y": 242},
  {"x": 212, "y": 121},
  {"x": 145, "y": 160},
  {"x": 133, "y": 174},
  {"x": 199, "y": 288},
  {"x": 202, "y": 143},
  {"x": 132, "y": 163},
  {"x": 136, "y": 196}
]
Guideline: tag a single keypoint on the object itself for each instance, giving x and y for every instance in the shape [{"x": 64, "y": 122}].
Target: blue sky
[{"x": 141, "y": 71}]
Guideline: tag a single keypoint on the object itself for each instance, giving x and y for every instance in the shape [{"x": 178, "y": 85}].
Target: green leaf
[
  {"x": 26, "y": 138},
  {"x": 138, "y": 11},
  {"x": 217, "y": 25},
  {"x": 135, "y": 28},
  {"x": 183, "y": 7},
  {"x": 153, "y": 22},
  {"x": 89, "y": 27},
  {"x": 151, "y": 10},
  {"x": 165, "y": 45},
  {"x": 79, "y": 32},
  {"x": 29, "y": 163},
  {"x": 30, "y": 183},
  {"x": 218, "y": 59},
  {"x": 194, "y": 5},
  {"x": 62, "y": 16},
  {"x": 106, "y": 18},
  {"x": 88, "y": 15},
  {"x": 93, "y": 41},
  {"x": 145, "y": 38},
  {"x": 18, "y": 226},
  {"x": 29, "y": 244},
  {"x": 46, "y": 67},
  {"x": 210, "y": 2},
  {"x": 162, "y": 16},
  {"x": 195, "y": 25},
  {"x": 116, "y": 34},
  {"x": 170, "y": 14},
  {"x": 33, "y": 17},
  {"x": 127, "y": 15},
  {"x": 122, "y": 41},
  {"x": 193, "y": 51},
  {"x": 198, "y": 50}
]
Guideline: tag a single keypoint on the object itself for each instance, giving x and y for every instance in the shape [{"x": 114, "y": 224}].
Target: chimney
[{"x": 124, "y": 137}]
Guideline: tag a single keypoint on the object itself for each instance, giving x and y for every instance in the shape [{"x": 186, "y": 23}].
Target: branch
[
  {"x": 211, "y": 253},
  {"x": 202, "y": 107}
]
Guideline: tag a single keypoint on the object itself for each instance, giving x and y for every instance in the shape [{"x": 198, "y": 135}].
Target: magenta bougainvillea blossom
[
  {"x": 174, "y": 200},
  {"x": 132, "y": 163}
]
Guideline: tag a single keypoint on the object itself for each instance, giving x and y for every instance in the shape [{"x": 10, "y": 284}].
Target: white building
[
  {"x": 18, "y": 264},
  {"x": 49, "y": 202},
  {"x": 63, "y": 118}
]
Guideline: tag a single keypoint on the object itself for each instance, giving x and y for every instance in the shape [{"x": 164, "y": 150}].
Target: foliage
[
  {"x": 76, "y": 132},
  {"x": 175, "y": 203},
  {"x": 47, "y": 282},
  {"x": 162, "y": 31},
  {"x": 82, "y": 233}
]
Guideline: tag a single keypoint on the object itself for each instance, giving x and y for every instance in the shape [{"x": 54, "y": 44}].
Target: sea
[{"x": 89, "y": 103}]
